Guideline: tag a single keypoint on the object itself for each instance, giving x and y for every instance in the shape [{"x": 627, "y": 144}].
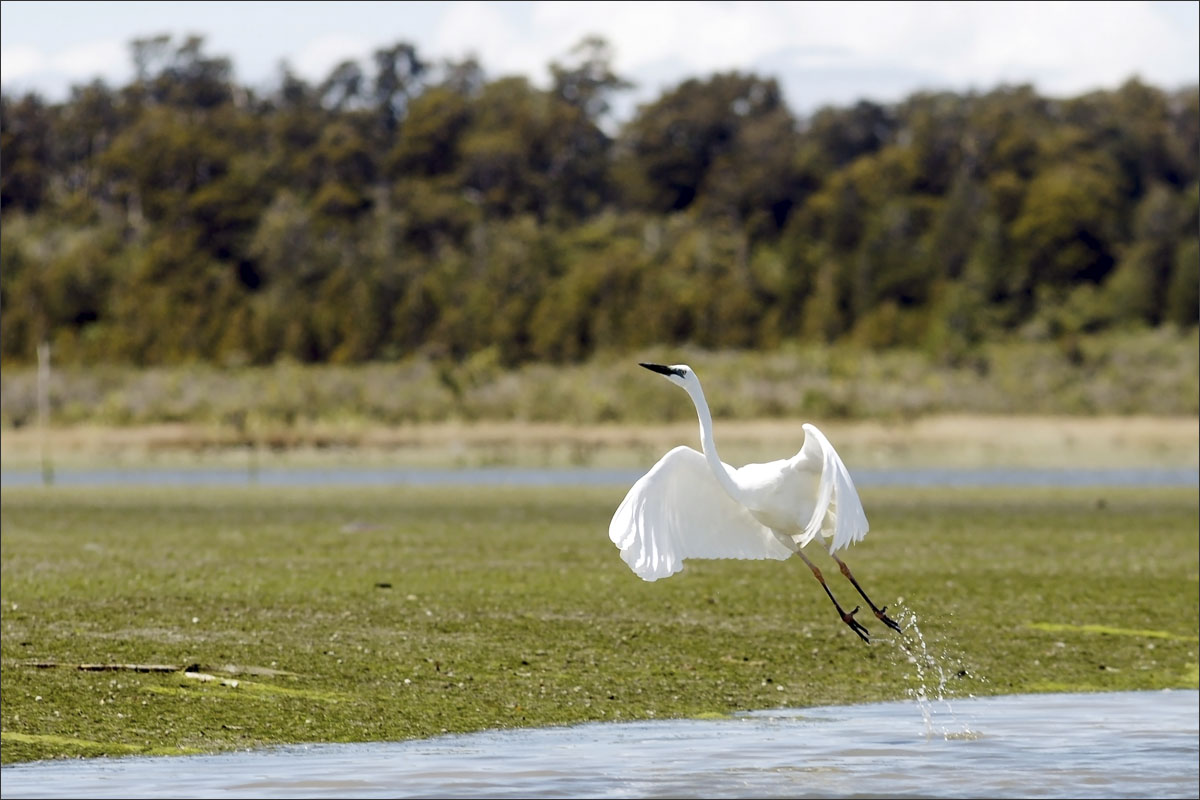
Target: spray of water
[{"x": 931, "y": 676}]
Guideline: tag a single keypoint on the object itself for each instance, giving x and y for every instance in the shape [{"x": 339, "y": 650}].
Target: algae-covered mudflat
[{"x": 181, "y": 620}]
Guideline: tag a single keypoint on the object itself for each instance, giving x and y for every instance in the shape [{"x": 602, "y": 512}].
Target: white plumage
[{"x": 693, "y": 505}]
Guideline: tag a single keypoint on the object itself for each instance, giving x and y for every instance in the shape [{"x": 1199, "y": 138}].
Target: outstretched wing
[
  {"x": 838, "y": 514},
  {"x": 677, "y": 510}
]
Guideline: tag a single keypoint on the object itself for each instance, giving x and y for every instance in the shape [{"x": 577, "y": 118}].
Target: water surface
[
  {"x": 513, "y": 476},
  {"x": 1123, "y": 744}
]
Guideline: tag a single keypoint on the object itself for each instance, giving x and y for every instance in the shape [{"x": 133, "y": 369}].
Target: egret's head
[{"x": 678, "y": 374}]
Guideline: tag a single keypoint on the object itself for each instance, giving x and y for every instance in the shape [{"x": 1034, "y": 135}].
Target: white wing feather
[
  {"x": 838, "y": 514},
  {"x": 677, "y": 510}
]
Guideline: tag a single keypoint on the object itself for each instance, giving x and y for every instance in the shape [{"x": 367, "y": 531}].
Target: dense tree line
[{"x": 402, "y": 207}]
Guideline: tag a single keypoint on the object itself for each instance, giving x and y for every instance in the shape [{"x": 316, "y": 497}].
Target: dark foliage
[{"x": 403, "y": 206}]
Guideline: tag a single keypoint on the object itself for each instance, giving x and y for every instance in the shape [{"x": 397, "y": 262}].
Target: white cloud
[
  {"x": 483, "y": 30},
  {"x": 317, "y": 58},
  {"x": 106, "y": 57},
  {"x": 18, "y": 63},
  {"x": 701, "y": 37},
  {"x": 822, "y": 52},
  {"x": 26, "y": 68},
  {"x": 839, "y": 52},
  {"x": 1063, "y": 51}
]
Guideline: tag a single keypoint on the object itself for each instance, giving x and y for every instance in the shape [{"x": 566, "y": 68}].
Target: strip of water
[
  {"x": 1123, "y": 744},
  {"x": 512, "y": 476}
]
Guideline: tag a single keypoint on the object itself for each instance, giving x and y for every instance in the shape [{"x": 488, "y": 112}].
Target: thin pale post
[{"x": 43, "y": 410}]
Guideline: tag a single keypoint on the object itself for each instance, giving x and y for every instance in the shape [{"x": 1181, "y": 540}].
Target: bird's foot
[
  {"x": 886, "y": 620},
  {"x": 855, "y": 625}
]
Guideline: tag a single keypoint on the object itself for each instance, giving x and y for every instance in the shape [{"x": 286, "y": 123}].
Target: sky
[{"x": 821, "y": 53}]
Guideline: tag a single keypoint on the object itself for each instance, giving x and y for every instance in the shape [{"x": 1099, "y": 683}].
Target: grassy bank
[
  {"x": 1115, "y": 400},
  {"x": 1151, "y": 373},
  {"x": 348, "y": 615}
]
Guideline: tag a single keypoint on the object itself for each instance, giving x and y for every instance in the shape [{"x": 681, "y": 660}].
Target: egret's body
[{"x": 693, "y": 505}]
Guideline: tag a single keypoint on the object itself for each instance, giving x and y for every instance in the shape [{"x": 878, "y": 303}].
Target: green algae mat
[{"x": 150, "y": 621}]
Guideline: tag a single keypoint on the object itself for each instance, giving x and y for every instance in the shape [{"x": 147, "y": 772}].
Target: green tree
[
  {"x": 398, "y": 73},
  {"x": 1068, "y": 227},
  {"x": 407, "y": 207},
  {"x": 25, "y": 141},
  {"x": 839, "y": 136},
  {"x": 1138, "y": 286},
  {"x": 666, "y": 153}
]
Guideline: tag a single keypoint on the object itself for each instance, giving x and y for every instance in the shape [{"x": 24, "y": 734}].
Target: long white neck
[{"x": 709, "y": 445}]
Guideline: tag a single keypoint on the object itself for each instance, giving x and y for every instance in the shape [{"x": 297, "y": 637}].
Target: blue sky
[{"x": 822, "y": 53}]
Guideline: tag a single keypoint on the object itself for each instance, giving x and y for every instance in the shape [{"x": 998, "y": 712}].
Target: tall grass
[{"x": 1148, "y": 373}]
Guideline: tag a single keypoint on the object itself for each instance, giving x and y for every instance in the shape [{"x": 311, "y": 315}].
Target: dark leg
[
  {"x": 879, "y": 612},
  {"x": 846, "y": 618}
]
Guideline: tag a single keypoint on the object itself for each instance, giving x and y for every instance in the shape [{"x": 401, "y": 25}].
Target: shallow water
[
  {"x": 1125, "y": 744},
  {"x": 513, "y": 476}
]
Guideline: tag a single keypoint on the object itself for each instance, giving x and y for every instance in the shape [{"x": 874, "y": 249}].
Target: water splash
[{"x": 931, "y": 679}]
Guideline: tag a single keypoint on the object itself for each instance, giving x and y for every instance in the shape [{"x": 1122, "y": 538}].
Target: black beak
[{"x": 659, "y": 368}]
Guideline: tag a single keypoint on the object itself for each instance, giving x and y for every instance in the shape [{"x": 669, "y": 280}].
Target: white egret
[{"x": 693, "y": 505}]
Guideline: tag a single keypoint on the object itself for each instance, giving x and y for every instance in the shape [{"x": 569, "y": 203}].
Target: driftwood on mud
[
  {"x": 108, "y": 667},
  {"x": 232, "y": 669}
]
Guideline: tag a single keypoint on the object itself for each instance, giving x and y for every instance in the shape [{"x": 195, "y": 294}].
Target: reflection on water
[
  {"x": 1126, "y": 744},
  {"x": 514, "y": 476}
]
